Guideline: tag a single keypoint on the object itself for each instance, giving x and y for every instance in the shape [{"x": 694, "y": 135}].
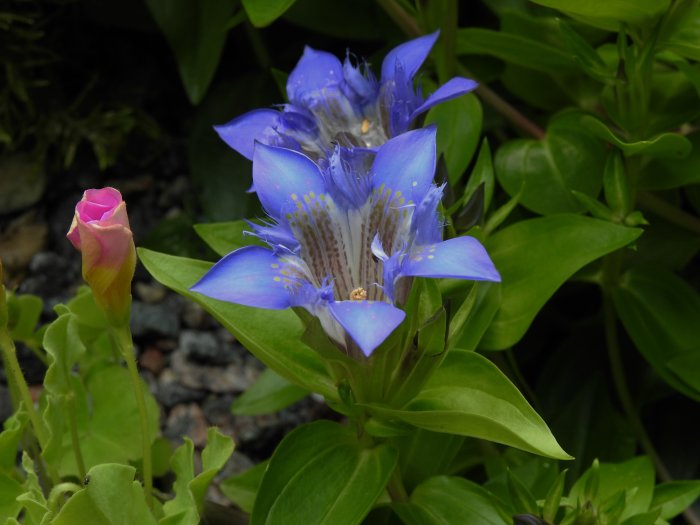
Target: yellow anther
[
  {"x": 364, "y": 128},
  {"x": 358, "y": 294}
]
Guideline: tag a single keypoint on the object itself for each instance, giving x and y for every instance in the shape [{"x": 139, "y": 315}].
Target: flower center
[
  {"x": 358, "y": 294},
  {"x": 364, "y": 127}
]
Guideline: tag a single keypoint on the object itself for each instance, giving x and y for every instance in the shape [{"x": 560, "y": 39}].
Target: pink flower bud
[{"x": 100, "y": 231}]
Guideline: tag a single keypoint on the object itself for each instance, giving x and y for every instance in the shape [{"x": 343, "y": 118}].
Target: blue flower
[
  {"x": 342, "y": 103},
  {"x": 346, "y": 240}
]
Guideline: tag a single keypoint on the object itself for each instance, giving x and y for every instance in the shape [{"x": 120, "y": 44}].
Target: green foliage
[
  {"x": 535, "y": 257},
  {"x": 269, "y": 393},
  {"x": 196, "y": 32},
  {"x": 321, "y": 473}
]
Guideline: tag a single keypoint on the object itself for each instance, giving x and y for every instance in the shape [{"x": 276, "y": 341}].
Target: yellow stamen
[
  {"x": 364, "y": 128},
  {"x": 358, "y": 294}
]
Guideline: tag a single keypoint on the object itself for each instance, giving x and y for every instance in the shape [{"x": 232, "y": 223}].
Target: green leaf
[
  {"x": 608, "y": 13},
  {"x": 64, "y": 346},
  {"x": 535, "y": 257},
  {"x": 424, "y": 454},
  {"x": 446, "y": 500},
  {"x": 469, "y": 396},
  {"x": 272, "y": 335},
  {"x": 590, "y": 60},
  {"x": 109, "y": 427},
  {"x": 196, "y": 32},
  {"x": 324, "y": 466},
  {"x": 472, "y": 319},
  {"x": 24, "y": 312},
  {"x": 263, "y": 12},
  {"x": 664, "y": 174},
  {"x": 270, "y": 393},
  {"x": 553, "y": 499},
  {"x": 190, "y": 490},
  {"x": 515, "y": 49},
  {"x": 225, "y": 237},
  {"x": 665, "y": 145},
  {"x": 10, "y": 489},
  {"x": 674, "y": 497},
  {"x": 481, "y": 174},
  {"x": 459, "y": 129},
  {"x": 32, "y": 499},
  {"x": 111, "y": 498},
  {"x": 661, "y": 313},
  {"x": 547, "y": 170},
  {"x": 686, "y": 40},
  {"x": 635, "y": 478},
  {"x": 520, "y": 495},
  {"x": 243, "y": 488}
]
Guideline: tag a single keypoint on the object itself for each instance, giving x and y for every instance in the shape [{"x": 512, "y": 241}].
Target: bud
[{"x": 100, "y": 231}]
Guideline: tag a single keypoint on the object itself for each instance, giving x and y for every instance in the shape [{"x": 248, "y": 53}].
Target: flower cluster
[{"x": 350, "y": 195}]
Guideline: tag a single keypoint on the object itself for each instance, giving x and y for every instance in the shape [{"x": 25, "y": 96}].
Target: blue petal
[
  {"x": 458, "y": 258},
  {"x": 349, "y": 172},
  {"x": 242, "y": 132},
  {"x": 409, "y": 55},
  {"x": 360, "y": 86},
  {"x": 427, "y": 223},
  {"x": 314, "y": 71},
  {"x": 452, "y": 88},
  {"x": 368, "y": 323},
  {"x": 281, "y": 176},
  {"x": 407, "y": 164},
  {"x": 249, "y": 276}
]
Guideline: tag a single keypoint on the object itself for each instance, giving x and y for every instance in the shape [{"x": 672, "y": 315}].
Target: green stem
[
  {"x": 665, "y": 210},
  {"x": 75, "y": 439},
  {"x": 396, "y": 488},
  {"x": 122, "y": 335},
  {"x": 401, "y": 18},
  {"x": 14, "y": 374}
]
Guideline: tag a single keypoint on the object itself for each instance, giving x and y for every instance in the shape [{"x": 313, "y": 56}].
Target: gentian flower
[
  {"x": 346, "y": 240},
  {"x": 340, "y": 103},
  {"x": 100, "y": 231}
]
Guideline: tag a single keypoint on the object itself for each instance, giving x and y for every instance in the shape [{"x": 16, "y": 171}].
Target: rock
[
  {"x": 194, "y": 315},
  {"x": 159, "y": 319},
  {"x": 150, "y": 292},
  {"x": 203, "y": 347},
  {"x": 22, "y": 181},
  {"x": 236, "y": 377},
  {"x": 217, "y": 411},
  {"x": 21, "y": 241},
  {"x": 152, "y": 359},
  {"x": 51, "y": 274},
  {"x": 187, "y": 420},
  {"x": 170, "y": 392}
]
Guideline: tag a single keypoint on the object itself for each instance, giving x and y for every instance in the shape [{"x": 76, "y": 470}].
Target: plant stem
[
  {"x": 75, "y": 439},
  {"x": 611, "y": 268},
  {"x": 122, "y": 335},
  {"x": 396, "y": 488},
  {"x": 14, "y": 374},
  {"x": 401, "y": 18},
  {"x": 668, "y": 211}
]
